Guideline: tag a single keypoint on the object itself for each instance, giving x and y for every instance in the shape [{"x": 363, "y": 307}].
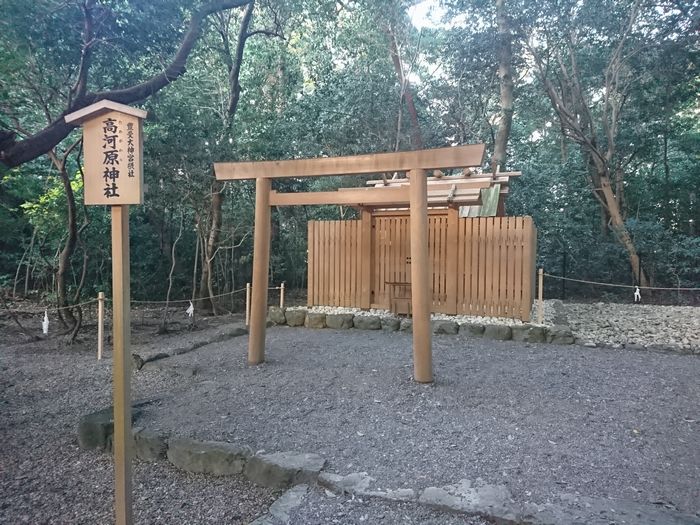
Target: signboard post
[{"x": 112, "y": 142}]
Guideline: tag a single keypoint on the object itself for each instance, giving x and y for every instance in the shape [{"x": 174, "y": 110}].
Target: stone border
[
  {"x": 275, "y": 470},
  {"x": 295, "y": 471},
  {"x": 528, "y": 333},
  {"x": 559, "y": 333},
  {"x": 146, "y": 354}
]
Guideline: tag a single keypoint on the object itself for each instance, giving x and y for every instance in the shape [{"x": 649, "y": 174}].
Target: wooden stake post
[
  {"x": 100, "y": 323},
  {"x": 247, "y": 304},
  {"x": 540, "y": 302},
  {"x": 112, "y": 141},
  {"x": 418, "y": 197}
]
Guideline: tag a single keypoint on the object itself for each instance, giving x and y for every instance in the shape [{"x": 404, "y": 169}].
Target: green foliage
[
  {"x": 14, "y": 191},
  {"x": 328, "y": 87}
]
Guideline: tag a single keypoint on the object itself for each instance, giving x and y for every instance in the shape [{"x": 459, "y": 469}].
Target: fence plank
[
  {"x": 336, "y": 264},
  {"x": 366, "y": 254},
  {"x": 501, "y": 290},
  {"x": 510, "y": 271},
  {"x": 339, "y": 263},
  {"x": 343, "y": 261},
  {"x": 452, "y": 256},
  {"x": 519, "y": 240},
  {"x": 329, "y": 263},
  {"x": 348, "y": 262},
  {"x": 469, "y": 244},
  {"x": 443, "y": 263},
  {"x": 312, "y": 279},
  {"x": 322, "y": 254},
  {"x": 351, "y": 262},
  {"x": 332, "y": 289},
  {"x": 473, "y": 263},
  {"x": 529, "y": 267},
  {"x": 484, "y": 262},
  {"x": 310, "y": 273},
  {"x": 461, "y": 246},
  {"x": 431, "y": 254}
]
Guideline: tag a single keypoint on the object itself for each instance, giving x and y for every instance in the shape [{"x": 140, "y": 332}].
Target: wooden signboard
[
  {"x": 112, "y": 143},
  {"x": 112, "y": 146},
  {"x": 113, "y": 164}
]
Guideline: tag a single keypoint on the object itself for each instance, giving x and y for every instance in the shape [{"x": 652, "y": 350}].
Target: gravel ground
[
  {"x": 45, "y": 478},
  {"x": 640, "y": 324},
  {"x": 541, "y": 419}
]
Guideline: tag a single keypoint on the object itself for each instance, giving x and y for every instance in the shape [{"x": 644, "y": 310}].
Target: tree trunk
[
  {"x": 562, "y": 80},
  {"x": 619, "y": 228},
  {"x": 26, "y": 256},
  {"x": 68, "y": 249},
  {"x": 27, "y": 272},
  {"x": 217, "y": 192},
  {"x": 505, "y": 76},
  {"x": 406, "y": 94},
  {"x": 173, "y": 261},
  {"x": 210, "y": 245}
]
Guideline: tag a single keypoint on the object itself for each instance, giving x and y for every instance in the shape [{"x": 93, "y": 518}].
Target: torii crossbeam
[{"x": 414, "y": 164}]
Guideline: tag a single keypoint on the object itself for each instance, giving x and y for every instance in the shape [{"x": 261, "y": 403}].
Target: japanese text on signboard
[{"x": 110, "y": 161}]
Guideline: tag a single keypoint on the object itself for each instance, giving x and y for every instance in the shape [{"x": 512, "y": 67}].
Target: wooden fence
[{"x": 480, "y": 266}]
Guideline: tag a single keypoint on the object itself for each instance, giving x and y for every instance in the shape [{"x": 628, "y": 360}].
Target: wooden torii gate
[{"x": 416, "y": 195}]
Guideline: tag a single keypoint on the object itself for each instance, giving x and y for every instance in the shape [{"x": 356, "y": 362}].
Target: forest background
[{"x": 595, "y": 102}]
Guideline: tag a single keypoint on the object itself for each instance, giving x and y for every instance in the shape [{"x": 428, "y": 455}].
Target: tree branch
[
  {"x": 80, "y": 87},
  {"x": 266, "y": 32},
  {"x": 235, "y": 73},
  {"x": 18, "y": 153}
]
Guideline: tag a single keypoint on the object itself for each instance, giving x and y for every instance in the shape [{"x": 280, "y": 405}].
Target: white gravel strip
[
  {"x": 610, "y": 324},
  {"x": 459, "y": 319}
]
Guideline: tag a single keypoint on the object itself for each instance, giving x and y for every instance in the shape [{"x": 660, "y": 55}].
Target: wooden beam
[
  {"x": 441, "y": 158},
  {"x": 261, "y": 268},
  {"x": 364, "y": 197},
  {"x": 501, "y": 178},
  {"x": 440, "y": 201},
  {"x": 461, "y": 184},
  {"x": 350, "y": 197},
  {"x": 420, "y": 279}
]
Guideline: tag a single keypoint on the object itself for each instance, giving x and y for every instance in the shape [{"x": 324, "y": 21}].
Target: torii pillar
[
  {"x": 421, "y": 296},
  {"x": 261, "y": 268}
]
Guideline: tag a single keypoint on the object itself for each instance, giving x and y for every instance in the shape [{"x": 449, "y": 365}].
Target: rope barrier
[
  {"x": 621, "y": 285},
  {"x": 42, "y": 309},
  {"x": 102, "y": 299},
  {"x": 188, "y": 300}
]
